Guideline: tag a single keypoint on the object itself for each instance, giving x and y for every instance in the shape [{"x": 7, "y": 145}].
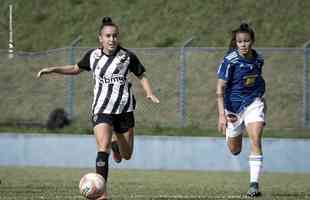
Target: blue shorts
[{"x": 120, "y": 122}]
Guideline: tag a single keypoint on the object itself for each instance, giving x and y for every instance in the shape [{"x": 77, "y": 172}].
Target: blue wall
[{"x": 159, "y": 152}]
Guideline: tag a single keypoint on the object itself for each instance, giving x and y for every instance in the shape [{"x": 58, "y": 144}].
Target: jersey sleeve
[
  {"x": 135, "y": 66},
  {"x": 84, "y": 63},
  {"x": 224, "y": 70}
]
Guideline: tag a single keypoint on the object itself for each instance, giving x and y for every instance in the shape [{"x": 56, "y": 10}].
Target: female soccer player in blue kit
[
  {"x": 113, "y": 102},
  {"x": 241, "y": 106}
]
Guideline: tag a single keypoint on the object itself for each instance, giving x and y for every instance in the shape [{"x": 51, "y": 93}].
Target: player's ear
[{"x": 100, "y": 39}]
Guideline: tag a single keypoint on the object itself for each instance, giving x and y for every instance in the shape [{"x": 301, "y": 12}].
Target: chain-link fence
[{"x": 24, "y": 99}]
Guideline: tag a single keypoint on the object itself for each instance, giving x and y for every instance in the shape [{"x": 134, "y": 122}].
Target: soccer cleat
[
  {"x": 104, "y": 196},
  {"x": 116, "y": 153},
  {"x": 253, "y": 190}
]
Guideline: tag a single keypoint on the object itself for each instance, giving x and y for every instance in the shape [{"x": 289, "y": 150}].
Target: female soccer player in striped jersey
[
  {"x": 241, "y": 106},
  {"x": 113, "y": 101}
]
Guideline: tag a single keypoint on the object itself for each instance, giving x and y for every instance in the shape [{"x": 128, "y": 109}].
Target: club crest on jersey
[
  {"x": 122, "y": 57},
  {"x": 249, "y": 80}
]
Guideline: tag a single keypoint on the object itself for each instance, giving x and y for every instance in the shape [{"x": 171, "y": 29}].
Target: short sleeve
[
  {"x": 224, "y": 70},
  {"x": 135, "y": 66},
  {"x": 84, "y": 63}
]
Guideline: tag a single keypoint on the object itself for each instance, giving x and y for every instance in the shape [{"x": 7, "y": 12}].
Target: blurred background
[{"x": 180, "y": 44}]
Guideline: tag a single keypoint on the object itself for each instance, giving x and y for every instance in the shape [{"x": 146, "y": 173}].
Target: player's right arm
[
  {"x": 224, "y": 74},
  {"x": 222, "y": 121},
  {"x": 65, "y": 70}
]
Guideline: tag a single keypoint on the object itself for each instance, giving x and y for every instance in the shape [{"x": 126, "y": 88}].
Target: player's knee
[
  {"x": 235, "y": 153},
  {"x": 127, "y": 156},
  {"x": 235, "y": 150}
]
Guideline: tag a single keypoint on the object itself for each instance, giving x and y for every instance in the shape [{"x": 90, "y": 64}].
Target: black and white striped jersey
[{"x": 112, "y": 90}]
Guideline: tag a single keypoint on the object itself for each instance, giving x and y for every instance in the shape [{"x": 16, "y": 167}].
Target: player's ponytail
[
  {"x": 243, "y": 28},
  {"x": 106, "y": 21}
]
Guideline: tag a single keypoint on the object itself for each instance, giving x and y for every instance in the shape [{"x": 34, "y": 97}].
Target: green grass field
[{"x": 62, "y": 183}]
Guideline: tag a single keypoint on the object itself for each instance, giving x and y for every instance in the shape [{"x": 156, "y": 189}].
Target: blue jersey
[{"x": 244, "y": 80}]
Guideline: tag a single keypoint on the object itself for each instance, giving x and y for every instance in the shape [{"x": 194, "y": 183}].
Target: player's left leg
[
  {"x": 123, "y": 141},
  {"x": 255, "y": 131},
  {"x": 116, "y": 154},
  {"x": 255, "y": 122}
]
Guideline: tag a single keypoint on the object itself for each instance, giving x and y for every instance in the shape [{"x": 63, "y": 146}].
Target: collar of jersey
[
  {"x": 112, "y": 55},
  {"x": 247, "y": 60}
]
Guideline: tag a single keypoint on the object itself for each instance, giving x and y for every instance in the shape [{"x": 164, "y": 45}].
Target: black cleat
[
  {"x": 116, "y": 153},
  {"x": 253, "y": 190}
]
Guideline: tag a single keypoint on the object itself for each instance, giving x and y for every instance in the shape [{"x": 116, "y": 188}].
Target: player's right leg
[
  {"x": 235, "y": 144},
  {"x": 103, "y": 134},
  {"x": 234, "y": 132}
]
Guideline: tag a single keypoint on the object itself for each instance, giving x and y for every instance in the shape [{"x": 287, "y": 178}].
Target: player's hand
[
  {"x": 153, "y": 98},
  {"x": 44, "y": 71},
  {"x": 231, "y": 118},
  {"x": 222, "y": 124}
]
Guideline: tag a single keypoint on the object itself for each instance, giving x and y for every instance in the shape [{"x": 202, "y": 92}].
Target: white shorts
[{"x": 255, "y": 112}]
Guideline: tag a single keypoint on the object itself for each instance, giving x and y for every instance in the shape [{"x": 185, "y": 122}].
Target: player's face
[
  {"x": 244, "y": 43},
  {"x": 109, "y": 39}
]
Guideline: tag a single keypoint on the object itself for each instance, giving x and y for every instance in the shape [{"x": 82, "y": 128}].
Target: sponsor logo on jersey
[{"x": 113, "y": 79}]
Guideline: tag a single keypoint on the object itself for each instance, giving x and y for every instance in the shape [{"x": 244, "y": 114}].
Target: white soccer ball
[{"x": 92, "y": 185}]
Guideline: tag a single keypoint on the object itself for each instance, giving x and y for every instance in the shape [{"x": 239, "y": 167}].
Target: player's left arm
[{"x": 147, "y": 88}]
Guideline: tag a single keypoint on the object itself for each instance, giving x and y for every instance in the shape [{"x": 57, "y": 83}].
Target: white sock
[{"x": 256, "y": 165}]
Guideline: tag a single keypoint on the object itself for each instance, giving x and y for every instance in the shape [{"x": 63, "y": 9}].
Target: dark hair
[
  {"x": 243, "y": 28},
  {"x": 106, "y": 21}
]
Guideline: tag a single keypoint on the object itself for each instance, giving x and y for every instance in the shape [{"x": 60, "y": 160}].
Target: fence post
[
  {"x": 306, "y": 82},
  {"x": 11, "y": 43},
  {"x": 70, "y": 79},
  {"x": 182, "y": 85}
]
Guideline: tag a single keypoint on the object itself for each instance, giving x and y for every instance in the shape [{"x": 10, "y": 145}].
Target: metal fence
[{"x": 183, "y": 78}]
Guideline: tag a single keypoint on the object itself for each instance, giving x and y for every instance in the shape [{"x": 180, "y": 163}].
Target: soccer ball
[{"x": 92, "y": 185}]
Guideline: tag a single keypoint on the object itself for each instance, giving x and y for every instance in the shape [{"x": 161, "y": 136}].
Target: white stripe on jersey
[
  {"x": 101, "y": 62},
  {"x": 131, "y": 104},
  {"x": 112, "y": 99},
  {"x": 227, "y": 70},
  {"x": 219, "y": 68},
  {"x": 232, "y": 55},
  {"x": 115, "y": 89},
  {"x": 103, "y": 93},
  {"x": 123, "y": 101}
]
